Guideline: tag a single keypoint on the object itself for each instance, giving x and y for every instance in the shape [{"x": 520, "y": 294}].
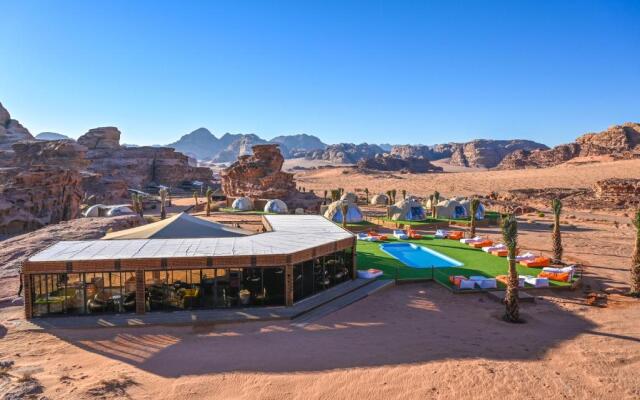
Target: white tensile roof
[{"x": 290, "y": 233}]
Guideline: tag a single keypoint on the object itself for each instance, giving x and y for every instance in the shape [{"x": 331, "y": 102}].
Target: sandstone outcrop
[
  {"x": 619, "y": 141},
  {"x": 477, "y": 153},
  {"x": 260, "y": 176},
  {"x": 345, "y": 153},
  {"x": 43, "y": 185},
  {"x": 619, "y": 192},
  {"x": 387, "y": 162},
  {"x": 11, "y": 131},
  {"x": 114, "y": 168}
]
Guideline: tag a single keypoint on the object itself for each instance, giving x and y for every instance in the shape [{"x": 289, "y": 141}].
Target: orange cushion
[
  {"x": 555, "y": 276},
  {"x": 482, "y": 244},
  {"x": 500, "y": 253},
  {"x": 455, "y": 235},
  {"x": 455, "y": 279}
]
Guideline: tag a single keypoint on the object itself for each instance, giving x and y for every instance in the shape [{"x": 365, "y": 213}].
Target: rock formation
[
  {"x": 11, "y": 131},
  {"x": 345, "y": 153},
  {"x": 477, "y": 153},
  {"x": 619, "y": 141},
  {"x": 114, "y": 168},
  {"x": 260, "y": 176},
  {"x": 43, "y": 185},
  {"x": 619, "y": 192},
  {"x": 387, "y": 162}
]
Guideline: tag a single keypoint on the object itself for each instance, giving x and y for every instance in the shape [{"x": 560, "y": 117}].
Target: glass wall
[
  {"x": 321, "y": 273},
  {"x": 214, "y": 288},
  {"x": 115, "y": 292},
  {"x": 83, "y": 293}
]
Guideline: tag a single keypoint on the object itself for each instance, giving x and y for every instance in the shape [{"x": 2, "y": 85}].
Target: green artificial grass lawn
[
  {"x": 476, "y": 262},
  {"x": 355, "y": 224}
]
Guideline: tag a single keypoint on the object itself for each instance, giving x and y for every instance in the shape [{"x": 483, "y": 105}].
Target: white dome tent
[
  {"x": 350, "y": 197},
  {"x": 334, "y": 212},
  {"x": 380, "y": 200},
  {"x": 276, "y": 206},
  {"x": 467, "y": 206},
  {"x": 451, "y": 209},
  {"x": 242, "y": 204},
  {"x": 408, "y": 209}
]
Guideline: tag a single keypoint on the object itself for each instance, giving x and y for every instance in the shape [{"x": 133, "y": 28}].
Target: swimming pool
[{"x": 416, "y": 256}]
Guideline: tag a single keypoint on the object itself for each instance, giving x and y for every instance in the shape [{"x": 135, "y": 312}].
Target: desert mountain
[
  {"x": 51, "y": 136},
  {"x": 203, "y": 145},
  {"x": 618, "y": 141},
  {"x": 477, "y": 153}
]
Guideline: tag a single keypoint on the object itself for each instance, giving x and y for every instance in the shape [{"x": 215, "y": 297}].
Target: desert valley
[{"x": 76, "y": 214}]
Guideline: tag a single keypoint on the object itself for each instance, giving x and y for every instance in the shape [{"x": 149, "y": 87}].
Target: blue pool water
[{"x": 416, "y": 256}]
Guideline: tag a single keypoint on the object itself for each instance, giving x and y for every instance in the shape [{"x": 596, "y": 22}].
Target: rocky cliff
[
  {"x": 11, "y": 131},
  {"x": 43, "y": 185},
  {"x": 477, "y": 153},
  {"x": 118, "y": 167},
  {"x": 345, "y": 153},
  {"x": 619, "y": 141},
  {"x": 387, "y": 162},
  {"x": 260, "y": 176}
]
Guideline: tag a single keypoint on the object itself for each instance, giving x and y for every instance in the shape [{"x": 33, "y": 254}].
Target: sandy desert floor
[
  {"x": 470, "y": 181},
  {"x": 413, "y": 341}
]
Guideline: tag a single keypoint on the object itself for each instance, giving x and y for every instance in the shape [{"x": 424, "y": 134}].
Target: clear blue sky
[{"x": 399, "y": 72}]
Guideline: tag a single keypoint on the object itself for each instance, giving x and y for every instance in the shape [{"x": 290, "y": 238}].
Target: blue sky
[{"x": 396, "y": 71}]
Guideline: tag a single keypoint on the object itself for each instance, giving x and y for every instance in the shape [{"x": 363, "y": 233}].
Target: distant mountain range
[{"x": 203, "y": 145}]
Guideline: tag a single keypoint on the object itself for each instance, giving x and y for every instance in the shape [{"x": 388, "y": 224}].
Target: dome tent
[
  {"x": 276, "y": 206},
  {"x": 430, "y": 203},
  {"x": 380, "y": 199},
  {"x": 334, "y": 212},
  {"x": 242, "y": 204},
  {"x": 467, "y": 206},
  {"x": 350, "y": 197},
  {"x": 114, "y": 211},
  {"x": 450, "y": 209},
  {"x": 408, "y": 209}
]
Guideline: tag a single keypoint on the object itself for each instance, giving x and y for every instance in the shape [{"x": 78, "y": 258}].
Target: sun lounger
[
  {"x": 535, "y": 281},
  {"x": 369, "y": 273},
  {"x": 399, "y": 234},
  {"x": 472, "y": 240},
  {"x": 484, "y": 282},
  {"x": 564, "y": 274},
  {"x": 500, "y": 252},
  {"x": 526, "y": 256},
  {"x": 441, "y": 234},
  {"x": 413, "y": 234},
  {"x": 482, "y": 244},
  {"x": 489, "y": 249},
  {"x": 374, "y": 234},
  {"x": 363, "y": 236},
  {"x": 461, "y": 282},
  {"x": 455, "y": 235},
  {"x": 537, "y": 262},
  {"x": 505, "y": 280}
]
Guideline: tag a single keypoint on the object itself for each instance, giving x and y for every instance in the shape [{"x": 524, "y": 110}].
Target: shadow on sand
[{"x": 412, "y": 323}]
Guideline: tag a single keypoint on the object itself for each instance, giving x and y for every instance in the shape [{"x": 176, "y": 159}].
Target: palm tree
[
  {"x": 163, "y": 199},
  {"x": 134, "y": 202},
  {"x": 635, "y": 260},
  {"x": 344, "y": 208},
  {"x": 366, "y": 192},
  {"x": 404, "y": 194},
  {"x": 510, "y": 237},
  {"x": 324, "y": 198},
  {"x": 209, "y": 194},
  {"x": 195, "y": 198},
  {"x": 473, "y": 207},
  {"x": 393, "y": 195},
  {"x": 436, "y": 200},
  {"x": 556, "y": 205}
]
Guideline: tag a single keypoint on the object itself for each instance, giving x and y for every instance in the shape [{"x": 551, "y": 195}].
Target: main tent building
[{"x": 160, "y": 267}]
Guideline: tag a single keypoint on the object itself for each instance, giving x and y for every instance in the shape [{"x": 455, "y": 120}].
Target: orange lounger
[
  {"x": 482, "y": 244},
  {"x": 537, "y": 262},
  {"x": 413, "y": 234},
  {"x": 455, "y": 235},
  {"x": 555, "y": 276},
  {"x": 500, "y": 253}
]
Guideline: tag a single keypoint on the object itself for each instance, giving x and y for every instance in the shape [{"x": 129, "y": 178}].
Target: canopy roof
[
  {"x": 179, "y": 226},
  {"x": 289, "y": 233}
]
